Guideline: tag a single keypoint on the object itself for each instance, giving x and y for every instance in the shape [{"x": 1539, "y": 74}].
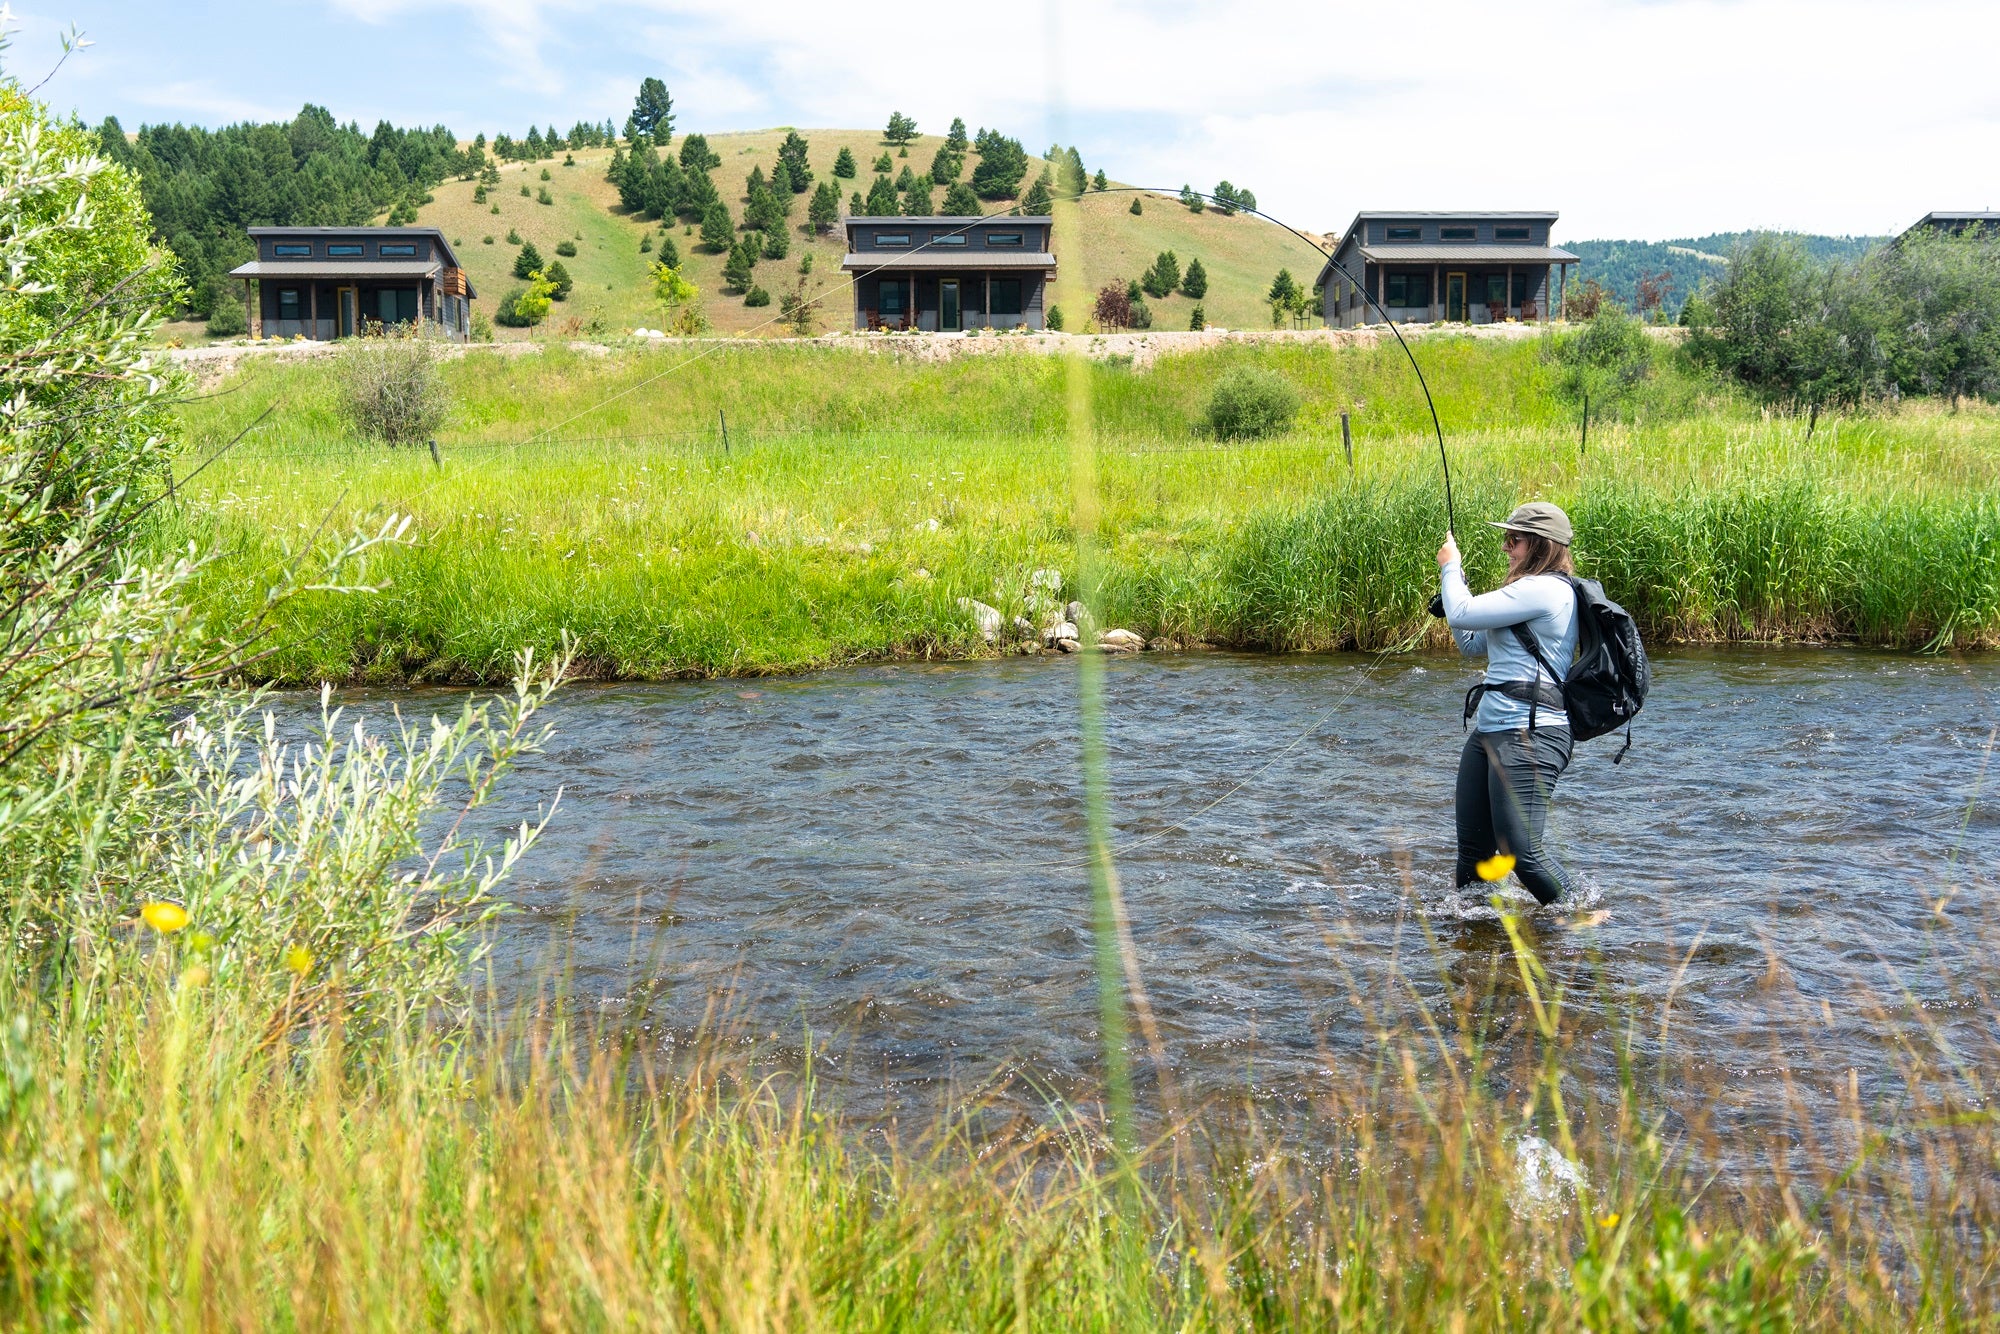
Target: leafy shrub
[
  {"x": 756, "y": 296},
  {"x": 545, "y": 174},
  {"x": 645, "y": 244},
  {"x": 1055, "y": 320},
  {"x": 1136, "y": 210},
  {"x": 391, "y": 388},
  {"x": 543, "y": 196},
  {"x": 487, "y": 239},
  {"x": 1249, "y": 403},
  {"x": 1114, "y": 307},
  {"x": 228, "y": 320},
  {"x": 482, "y": 328},
  {"x": 513, "y": 237},
  {"x": 566, "y": 248},
  {"x": 1142, "y": 316}
]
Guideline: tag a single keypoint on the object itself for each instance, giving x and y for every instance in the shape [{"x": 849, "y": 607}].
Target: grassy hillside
[{"x": 1242, "y": 254}]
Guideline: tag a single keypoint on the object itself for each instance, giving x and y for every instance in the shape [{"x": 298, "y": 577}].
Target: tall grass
[
  {"x": 812, "y": 541},
  {"x": 168, "y": 1165}
]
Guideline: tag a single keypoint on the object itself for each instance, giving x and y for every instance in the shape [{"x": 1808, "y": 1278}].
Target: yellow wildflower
[
  {"x": 299, "y": 960},
  {"x": 1496, "y": 866},
  {"x": 165, "y": 918}
]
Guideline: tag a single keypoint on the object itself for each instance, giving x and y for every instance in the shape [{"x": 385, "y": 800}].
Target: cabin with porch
[
  {"x": 1422, "y": 267},
  {"x": 949, "y": 274},
  {"x": 1981, "y": 223},
  {"x": 336, "y": 282}
]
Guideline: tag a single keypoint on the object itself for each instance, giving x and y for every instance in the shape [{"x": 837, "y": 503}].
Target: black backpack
[{"x": 1609, "y": 677}]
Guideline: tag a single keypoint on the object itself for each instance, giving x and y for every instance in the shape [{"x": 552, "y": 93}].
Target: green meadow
[{"x": 859, "y": 497}]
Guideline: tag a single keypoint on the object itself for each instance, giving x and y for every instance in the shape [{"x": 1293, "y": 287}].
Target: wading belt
[{"x": 1536, "y": 694}]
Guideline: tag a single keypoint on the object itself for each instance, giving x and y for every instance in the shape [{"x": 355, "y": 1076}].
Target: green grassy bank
[{"x": 861, "y": 496}]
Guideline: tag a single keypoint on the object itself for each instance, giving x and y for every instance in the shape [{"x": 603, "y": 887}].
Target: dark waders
[{"x": 1505, "y": 780}]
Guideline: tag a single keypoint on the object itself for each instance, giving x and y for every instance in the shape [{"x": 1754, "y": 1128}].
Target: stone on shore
[
  {"x": 1120, "y": 641},
  {"x": 985, "y": 617}
]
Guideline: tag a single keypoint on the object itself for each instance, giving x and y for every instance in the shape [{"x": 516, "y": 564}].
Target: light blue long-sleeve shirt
[{"x": 1548, "y": 606}]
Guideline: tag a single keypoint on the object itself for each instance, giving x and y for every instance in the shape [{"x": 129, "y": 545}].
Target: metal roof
[
  {"x": 968, "y": 260},
  {"x": 943, "y": 219},
  {"x": 1417, "y": 253},
  {"x": 1488, "y": 215},
  {"x": 451, "y": 256},
  {"x": 336, "y": 268}
]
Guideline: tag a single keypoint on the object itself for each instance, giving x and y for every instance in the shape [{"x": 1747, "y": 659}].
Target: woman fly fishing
[{"x": 1520, "y": 741}]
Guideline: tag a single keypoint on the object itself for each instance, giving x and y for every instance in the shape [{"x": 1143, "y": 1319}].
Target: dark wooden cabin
[
  {"x": 1978, "y": 223},
  {"x": 948, "y": 274},
  {"x": 1473, "y": 268},
  {"x": 335, "y": 282}
]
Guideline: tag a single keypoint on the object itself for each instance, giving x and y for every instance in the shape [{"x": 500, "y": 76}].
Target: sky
[{"x": 1643, "y": 119}]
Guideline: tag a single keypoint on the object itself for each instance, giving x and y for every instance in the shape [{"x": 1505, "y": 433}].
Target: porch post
[
  {"x": 312, "y": 307},
  {"x": 253, "y": 296},
  {"x": 1437, "y": 292},
  {"x": 1507, "y": 302},
  {"x": 1562, "y": 283},
  {"x": 1381, "y": 293}
]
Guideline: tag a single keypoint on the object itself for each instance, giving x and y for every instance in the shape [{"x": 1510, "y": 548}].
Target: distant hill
[
  {"x": 1620, "y": 264},
  {"x": 1241, "y": 254}
]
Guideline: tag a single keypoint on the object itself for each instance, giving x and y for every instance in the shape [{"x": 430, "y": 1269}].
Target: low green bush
[
  {"x": 228, "y": 320},
  {"x": 1250, "y": 403}
]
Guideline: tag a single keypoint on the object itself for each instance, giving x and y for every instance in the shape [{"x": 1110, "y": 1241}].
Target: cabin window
[
  {"x": 288, "y": 303},
  {"x": 892, "y": 240},
  {"x": 1004, "y": 239},
  {"x": 391, "y": 251},
  {"x": 1408, "y": 289},
  {"x": 283, "y": 251},
  {"x": 396, "y": 305},
  {"x": 1006, "y": 297},
  {"x": 1496, "y": 289},
  {"x": 1406, "y": 233},
  {"x": 1510, "y": 233},
  {"x": 345, "y": 250},
  {"x": 1458, "y": 234},
  {"x": 956, "y": 239},
  {"x": 891, "y": 300},
  {"x": 1520, "y": 288}
]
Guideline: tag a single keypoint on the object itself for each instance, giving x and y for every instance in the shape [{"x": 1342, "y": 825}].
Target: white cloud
[{"x": 200, "y": 99}]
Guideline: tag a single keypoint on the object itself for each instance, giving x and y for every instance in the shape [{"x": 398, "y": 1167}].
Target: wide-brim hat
[{"x": 1539, "y": 518}]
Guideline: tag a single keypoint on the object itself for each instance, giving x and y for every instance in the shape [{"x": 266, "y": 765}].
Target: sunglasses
[{"x": 1513, "y": 540}]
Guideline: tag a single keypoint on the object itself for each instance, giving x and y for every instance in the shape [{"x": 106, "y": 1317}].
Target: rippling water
[{"x": 889, "y": 859}]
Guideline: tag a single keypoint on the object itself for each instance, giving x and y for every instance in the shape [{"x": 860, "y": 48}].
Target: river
[{"x": 1787, "y": 877}]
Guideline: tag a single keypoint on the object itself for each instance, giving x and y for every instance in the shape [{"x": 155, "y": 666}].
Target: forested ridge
[{"x": 1689, "y": 261}]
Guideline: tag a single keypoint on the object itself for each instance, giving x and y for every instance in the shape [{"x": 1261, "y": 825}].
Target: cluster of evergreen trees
[
  {"x": 204, "y": 187},
  {"x": 1228, "y": 199},
  {"x": 534, "y": 146}
]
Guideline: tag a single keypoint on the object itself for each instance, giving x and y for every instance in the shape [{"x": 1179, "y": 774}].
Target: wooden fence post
[
  {"x": 1347, "y": 440},
  {"x": 725, "y": 428}
]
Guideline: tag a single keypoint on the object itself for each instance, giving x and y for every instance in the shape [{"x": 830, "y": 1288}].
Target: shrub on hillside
[
  {"x": 1194, "y": 282},
  {"x": 392, "y": 390},
  {"x": 1055, "y": 320},
  {"x": 1197, "y": 320},
  {"x": 843, "y": 165},
  {"x": 1249, "y": 403},
  {"x": 1114, "y": 307},
  {"x": 756, "y": 296},
  {"x": 1137, "y": 208},
  {"x": 527, "y": 261},
  {"x": 566, "y": 248}
]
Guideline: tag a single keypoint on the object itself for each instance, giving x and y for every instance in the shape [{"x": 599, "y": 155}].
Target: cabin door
[
  {"x": 345, "y": 300},
  {"x": 949, "y": 319},
  {"x": 1454, "y": 297}
]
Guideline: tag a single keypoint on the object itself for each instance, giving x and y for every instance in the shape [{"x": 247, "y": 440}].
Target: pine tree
[
  {"x": 883, "y": 201},
  {"x": 843, "y": 165},
  {"x": 884, "y": 165},
  {"x": 653, "y": 111},
  {"x": 1163, "y": 277},
  {"x": 1191, "y": 199},
  {"x": 533, "y": 144},
  {"x": 754, "y": 184},
  {"x": 696, "y": 155},
  {"x": 917, "y": 199},
  {"x": 527, "y": 260},
  {"x": 855, "y": 208},
  {"x": 1224, "y": 195},
  {"x": 1284, "y": 290},
  {"x": 1100, "y": 181},
  {"x": 901, "y": 129},
  {"x": 737, "y": 270},
  {"x": 670, "y": 254},
  {"x": 697, "y": 195},
  {"x": 907, "y": 180},
  {"x": 781, "y": 180},
  {"x": 717, "y": 229},
  {"x": 777, "y": 243},
  {"x": 960, "y": 201},
  {"x": 1194, "y": 282},
  {"x": 1041, "y": 195},
  {"x": 955, "y": 139},
  {"x": 1002, "y": 164},
  {"x": 1137, "y": 208},
  {"x": 946, "y": 165},
  {"x": 825, "y": 207},
  {"x": 1197, "y": 319},
  {"x": 1133, "y": 292},
  {"x": 792, "y": 153},
  {"x": 761, "y": 213},
  {"x": 559, "y": 275}
]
